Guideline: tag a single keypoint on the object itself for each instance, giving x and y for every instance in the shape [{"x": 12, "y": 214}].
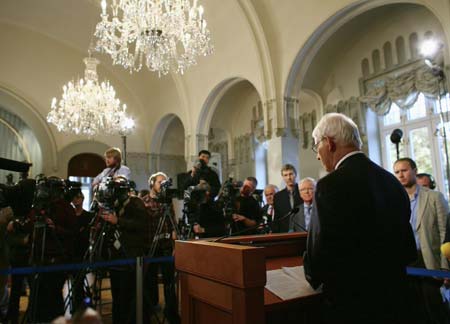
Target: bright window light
[{"x": 429, "y": 48}]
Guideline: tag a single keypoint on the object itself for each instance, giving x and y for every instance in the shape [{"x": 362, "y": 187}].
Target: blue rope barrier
[
  {"x": 79, "y": 266},
  {"x": 427, "y": 273}
]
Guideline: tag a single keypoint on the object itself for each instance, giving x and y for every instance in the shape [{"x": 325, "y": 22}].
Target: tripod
[
  {"x": 168, "y": 271},
  {"x": 53, "y": 281}
]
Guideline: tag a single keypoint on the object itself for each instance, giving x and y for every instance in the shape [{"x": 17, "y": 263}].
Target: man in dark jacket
[
  {"x": 126, "y": 239},
  {"x": 286, "y": 199},
  {"x": 360, "y": 239},
  {"x": 201, "y": 171}
]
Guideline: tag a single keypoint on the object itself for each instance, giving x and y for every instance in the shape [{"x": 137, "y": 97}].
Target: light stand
[
  {"x": 126, "y": 128},
  {"x": 124, "y": 143},
  {"x": 438, "y": 72},
  {"x": 396, "y": 137}
]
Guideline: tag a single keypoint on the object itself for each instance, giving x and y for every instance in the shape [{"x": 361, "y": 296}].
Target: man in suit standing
[
  {"x": 429, "y": 212},
  {"x": 301, "y": 220},
  {"x": 286, "y": 199},
  {"x": 268, "y": 211},
  {"x": 360, "y": 240}
]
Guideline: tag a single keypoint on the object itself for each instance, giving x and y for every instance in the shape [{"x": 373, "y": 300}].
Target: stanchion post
[{"x": 139, "y": 289}]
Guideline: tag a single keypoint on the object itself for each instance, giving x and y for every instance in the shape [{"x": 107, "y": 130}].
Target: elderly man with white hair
[
  {"x": 360, "y": 239},
  {"x": 299, "y": 222}
]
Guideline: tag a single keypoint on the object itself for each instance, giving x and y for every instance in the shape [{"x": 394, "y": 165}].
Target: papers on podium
[{"x": 289, "y": 283}]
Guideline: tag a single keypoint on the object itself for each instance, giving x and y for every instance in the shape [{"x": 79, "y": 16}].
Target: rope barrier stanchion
[{"x": 139, "y": 289}]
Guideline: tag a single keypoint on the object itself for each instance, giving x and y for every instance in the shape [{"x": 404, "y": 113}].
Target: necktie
[{"x": 307, "y": 216}]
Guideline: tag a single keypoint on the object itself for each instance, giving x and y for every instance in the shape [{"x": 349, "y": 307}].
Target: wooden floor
[{"x": 104, "y": 308}]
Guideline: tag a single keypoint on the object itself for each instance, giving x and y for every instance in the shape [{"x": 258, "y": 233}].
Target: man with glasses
[
  {"x": 360, "y": 240},
  {"x": 300, "y": 221}
]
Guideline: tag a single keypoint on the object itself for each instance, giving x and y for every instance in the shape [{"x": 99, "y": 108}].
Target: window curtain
[{"x": 401, "y": 89}]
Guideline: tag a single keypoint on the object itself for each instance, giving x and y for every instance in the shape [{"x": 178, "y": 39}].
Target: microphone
[{"x": 293, "y": 211}]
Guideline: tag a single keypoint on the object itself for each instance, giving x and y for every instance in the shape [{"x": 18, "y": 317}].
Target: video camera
[
  {"x": 49, "y": 189},
  {"x": 112, "y": 190},
  {"x": 166, "y": 193},
  {"x": 227, "y": 197}
]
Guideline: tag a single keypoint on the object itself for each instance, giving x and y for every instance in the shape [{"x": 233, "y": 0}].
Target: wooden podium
[{"x": 224, "y": 282}]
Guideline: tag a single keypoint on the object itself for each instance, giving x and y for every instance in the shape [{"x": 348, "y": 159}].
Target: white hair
[
  {"x": 340, "y": 128},
  {"x": 307, "y": 179},
  {"x": 271, "y": 186}
]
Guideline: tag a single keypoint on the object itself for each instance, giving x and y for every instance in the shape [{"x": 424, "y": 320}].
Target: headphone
[
  {"x": 152, "y": 179},
  {"x": 432, "y": 181}
]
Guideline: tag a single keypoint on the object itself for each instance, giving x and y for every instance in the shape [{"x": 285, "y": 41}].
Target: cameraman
[
  {"x": 114, "y": 167},
  {"x": 209, "y": 219},
  {"x": 201, "y": 171},
  {"x": 54, "y": 221},
  {"x": 18, "y": 238},
  {"x": 157, "y": 204},
  {"x": 125, "y": 239},
  {"x": 248, "y": 211}
]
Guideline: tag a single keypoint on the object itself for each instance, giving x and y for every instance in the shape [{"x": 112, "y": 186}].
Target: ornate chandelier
[
  {"x": 167, "y": 34},
  {"x": 87, "y": 106}
]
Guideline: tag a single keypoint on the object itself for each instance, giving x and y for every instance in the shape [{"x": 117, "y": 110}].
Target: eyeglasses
[
  {"x": 315, "y": 147},
  {"x": 307, "y": 189}
]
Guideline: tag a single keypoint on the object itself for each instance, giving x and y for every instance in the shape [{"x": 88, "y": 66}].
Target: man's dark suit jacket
[
  {"x": 359, "y": 243},
  {"x": 282, "y": 206}
]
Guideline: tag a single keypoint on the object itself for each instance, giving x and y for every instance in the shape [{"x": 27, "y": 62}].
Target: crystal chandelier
[
  {"x": 87, "y": 106},
  {"x": 167, "y": 34}
]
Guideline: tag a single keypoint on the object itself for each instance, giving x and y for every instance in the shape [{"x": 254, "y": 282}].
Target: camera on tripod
[
  {"x": 110, "y": 191},
  {"x": 227, "y": 197},
  {"x": 49, "y": 189},
  {"x": 166, "y": 193}
]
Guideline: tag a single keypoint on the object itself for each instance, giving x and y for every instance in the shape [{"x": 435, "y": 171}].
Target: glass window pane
[
  {"x": 393, "y": 117},
  {"x": 419, "y": 109},
  {"x": 420, "y": 142},
  {"x": 445, "y": 103},
  {"x": 392, "y": 151},
  {"x": 443, "y": 155}
]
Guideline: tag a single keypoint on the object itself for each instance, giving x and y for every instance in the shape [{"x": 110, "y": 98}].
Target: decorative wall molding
[
  {"x": 307, "y": 122},
  {"x": 351, "y": 108}
]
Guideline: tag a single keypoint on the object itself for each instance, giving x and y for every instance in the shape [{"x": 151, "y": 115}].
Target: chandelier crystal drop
[
  {"x": 165, "y": 35},
  {"x": 87, "y": 106}
]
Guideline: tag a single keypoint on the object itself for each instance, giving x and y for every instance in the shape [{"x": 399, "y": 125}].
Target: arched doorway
[
  {"x": 84, "y": 168},
  {"x": 167, "y": 147}
]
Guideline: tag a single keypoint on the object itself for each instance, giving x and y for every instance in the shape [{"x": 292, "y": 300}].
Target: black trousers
[
  {"x": 425, "y": 298},
  {"x": 123, "y": 290},
  {"x": 46, "y": 299}
]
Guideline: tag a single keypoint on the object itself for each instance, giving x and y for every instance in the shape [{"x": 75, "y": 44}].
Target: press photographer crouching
[
  {"x": 126, "y": 232},
  {"x": 209, "y": 218},
  {"x": 162, "y": 235},
  {"x": 247, "y": 211},
  {"x": 201, "y": 171}
]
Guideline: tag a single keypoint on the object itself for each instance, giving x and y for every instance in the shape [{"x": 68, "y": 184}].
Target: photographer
[
  {"x": 209, "y": 219},
  {"x": 53, "y": 220},
  {"x": 158, "y": 206},
  {"x": 125, "y": 239},
  {"x": 248, "y": 211},
  {"x": 201, "y": 171},
  {"x": 114, "y": 167},
  {"x": 81, "y": 245},
  {"x": 18, "y": 238}
]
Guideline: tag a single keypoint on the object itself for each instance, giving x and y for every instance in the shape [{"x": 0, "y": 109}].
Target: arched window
[
  {"x": 18, "y": 143},
  {"x": 387, "y": 51},
  {"x": 401, "y": 51},
  {"x": 376, "y": 61},
  {"x": 365, "y": 68}
]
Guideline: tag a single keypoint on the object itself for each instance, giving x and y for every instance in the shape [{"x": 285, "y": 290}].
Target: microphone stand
[{"x": 293, "y": 211}]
